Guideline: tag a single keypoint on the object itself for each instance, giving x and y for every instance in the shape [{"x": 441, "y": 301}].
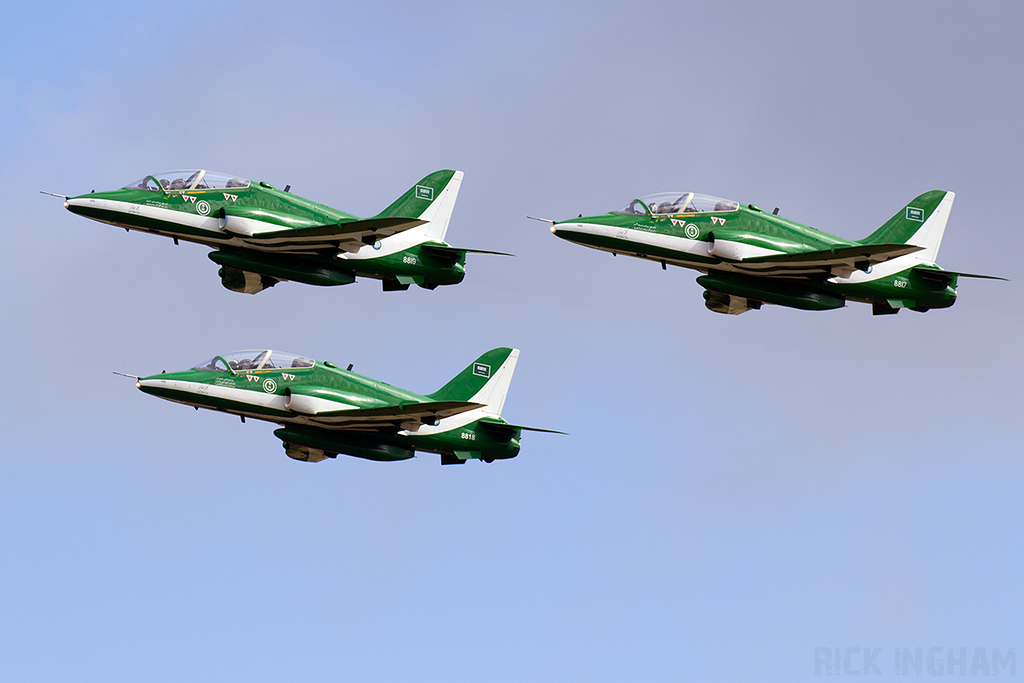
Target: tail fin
[
  {"x": 485, "y": 381},
  {"x": 921, "y": 223},
  {"x": 431, "y": 199}
]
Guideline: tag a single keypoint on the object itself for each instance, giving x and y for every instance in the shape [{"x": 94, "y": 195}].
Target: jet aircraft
[
  {"x": 262, "y": 235},
  {"x": 324, "y": 410},
  {"x": 749, "y": 257}
]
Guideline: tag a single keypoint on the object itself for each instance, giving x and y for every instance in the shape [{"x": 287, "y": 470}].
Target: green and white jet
[
  {"x": 749, "y": 257},
  {"x": 262, "y": 235},
  {"x": 325, "y": 410}
]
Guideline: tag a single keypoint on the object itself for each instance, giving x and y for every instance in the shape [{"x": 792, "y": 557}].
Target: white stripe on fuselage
[
  {"x": 207, "y": 223},
  {"x": 242, "y": 397},
  {"x": 676, "y": 243},
  {"x": 700, "y": 248},
  {"x": 248, "y": 226},
  {"x": 245, "y": 226}
]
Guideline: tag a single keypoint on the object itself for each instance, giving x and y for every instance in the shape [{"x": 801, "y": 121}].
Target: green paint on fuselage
[
  {"x": 240, "y": 389},
  {"x": 767, "y": 248},
  {"x": 203, "y": 216}
]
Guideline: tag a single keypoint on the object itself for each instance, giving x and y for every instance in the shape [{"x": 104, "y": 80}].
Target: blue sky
[{"x": 734, "y": 492}]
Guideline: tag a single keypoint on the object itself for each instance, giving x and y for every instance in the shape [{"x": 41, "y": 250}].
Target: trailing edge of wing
[
  {"x": 350, "y": 235},
  {"x": 380, "y": 417},
  {"x": 872, "y": 253},
  {"x": 838, "y": 261}
]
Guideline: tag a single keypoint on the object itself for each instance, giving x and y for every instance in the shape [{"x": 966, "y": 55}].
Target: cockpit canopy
[
  {"x": 670, "y": 203},
  {"x": 180, "y": 181},
  {"x": 254, "y": 360}
]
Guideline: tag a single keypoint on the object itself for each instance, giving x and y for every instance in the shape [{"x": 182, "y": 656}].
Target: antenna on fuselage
[
  {"x": 287, "y": 188},
  {"x": 350, "y": 366},
  {"x": 776, "y": 211}
]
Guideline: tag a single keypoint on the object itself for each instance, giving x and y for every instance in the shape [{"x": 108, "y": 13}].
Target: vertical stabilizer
[
  {"x": 922, "y": 222},
  {"x": 431, "y": 199},
  {"x": 485, "y": 380}
]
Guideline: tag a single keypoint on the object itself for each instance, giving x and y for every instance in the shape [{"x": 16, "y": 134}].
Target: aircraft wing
[
  {"x": 841, "y": 261},
  {"x": 399, "y": 416},
  {"x": 348, "y": 236}
]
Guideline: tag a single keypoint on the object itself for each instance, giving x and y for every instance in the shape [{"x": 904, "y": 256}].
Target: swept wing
[{"x": 834, "y": 261}]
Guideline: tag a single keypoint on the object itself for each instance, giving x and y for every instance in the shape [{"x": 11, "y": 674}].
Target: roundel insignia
[
  {"x": 203, "y": 207},
  {"x": 269, "y": 386},
  {"x": 692, "y": 231}
]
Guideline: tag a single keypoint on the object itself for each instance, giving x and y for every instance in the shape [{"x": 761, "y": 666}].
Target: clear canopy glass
[
  {"x": 179, "y": 181},
  {"x": 254, "y": 360},
  {"x": 670, "y": 203}
]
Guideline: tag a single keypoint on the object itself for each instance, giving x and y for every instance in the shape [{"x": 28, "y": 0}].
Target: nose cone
[
  {"x": 582, "y": 231},
  {"x": 146, "y": 384},
  {"x": 98, "y": 204},
  {"x": 564, "y": 229},
  {"x": 170, "y": 385},
  {"x": 92, "y": 205},
  {"x": 77, "y": 204},
  {"x": 154, "y": 384}
]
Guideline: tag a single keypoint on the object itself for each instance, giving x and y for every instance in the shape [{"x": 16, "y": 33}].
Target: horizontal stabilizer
[
  {"x": 455, "y": 252},
  {"x": 505, "y": 431},
  {"x": 945, "y": 277},
  {"x": 538, "y": 429}
]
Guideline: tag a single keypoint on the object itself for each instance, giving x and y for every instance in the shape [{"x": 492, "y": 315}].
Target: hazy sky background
[{"x": 735, "y": 491}]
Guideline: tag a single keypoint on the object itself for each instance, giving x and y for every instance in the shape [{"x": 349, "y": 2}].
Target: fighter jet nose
[
  {"x": 76, "y": 204},
  {"x": 149, "y": 385}
]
